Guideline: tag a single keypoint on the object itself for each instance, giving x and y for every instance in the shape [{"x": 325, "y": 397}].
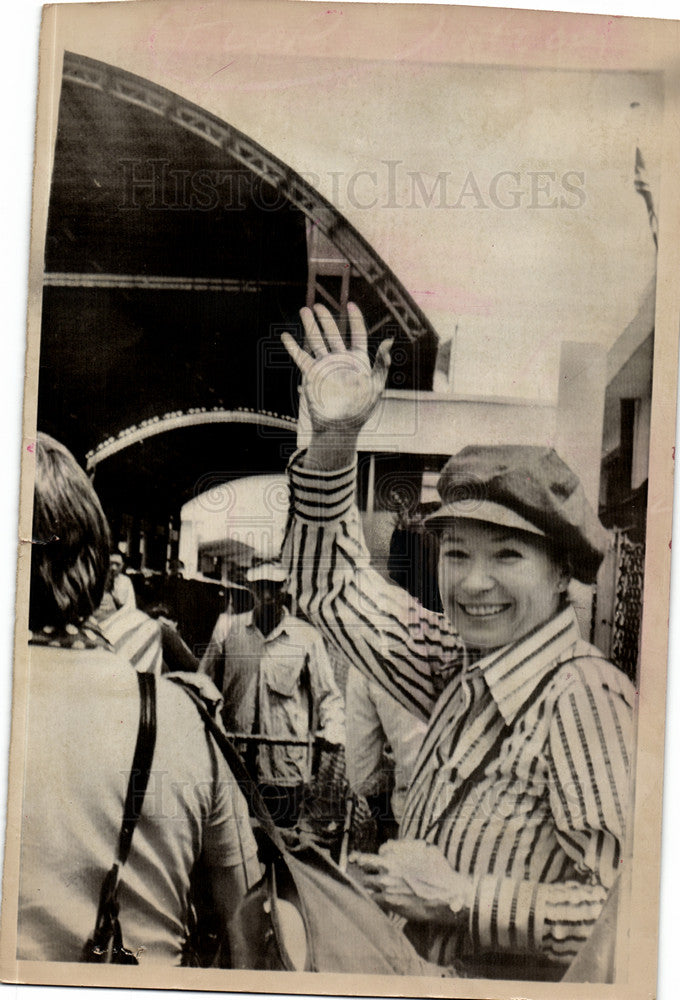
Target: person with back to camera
[
  {"x": 82, "y": 724},
  {"x": 514, "y": 822}
]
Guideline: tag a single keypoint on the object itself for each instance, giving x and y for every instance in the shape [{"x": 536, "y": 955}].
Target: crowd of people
[{"x": 490, "y": 741}]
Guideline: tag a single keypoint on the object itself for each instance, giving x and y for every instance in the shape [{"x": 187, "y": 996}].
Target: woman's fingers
[
  {"x": 330, "y": 329},
  {"x": 372, "y": 882},
  {"x": 369, "y": 863},
  {"x": 357, "y": 327},
  {"x": 382, "y": 364},
  {"x": 314, "y": 338},
  {"x": 392, "y": 847},
  {"x": 303, "y": 360},
  {"x": 323, "y": 338}
]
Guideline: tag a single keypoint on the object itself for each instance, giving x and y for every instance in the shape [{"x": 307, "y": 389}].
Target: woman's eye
[
  {"x": 455, "y": 554},
  {"x": 509, "y": 554}
]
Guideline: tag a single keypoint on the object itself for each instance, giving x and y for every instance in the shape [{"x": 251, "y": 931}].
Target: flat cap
[{"x": 527, "y": 488}]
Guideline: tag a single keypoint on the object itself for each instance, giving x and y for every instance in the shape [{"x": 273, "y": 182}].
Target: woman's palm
[{"x": 340, "y": 389}]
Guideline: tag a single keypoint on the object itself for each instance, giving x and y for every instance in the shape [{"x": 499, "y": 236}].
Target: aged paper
[{"x": 429, "y": 195}]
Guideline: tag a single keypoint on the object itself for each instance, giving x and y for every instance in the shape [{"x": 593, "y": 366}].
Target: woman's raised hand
[{"x": 340, "y": 388}]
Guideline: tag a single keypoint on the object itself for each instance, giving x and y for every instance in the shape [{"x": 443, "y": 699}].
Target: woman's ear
[{"x": 565, "y": 577}]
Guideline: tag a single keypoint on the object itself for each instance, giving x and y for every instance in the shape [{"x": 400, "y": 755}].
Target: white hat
[{"x": 272, "y": 571}]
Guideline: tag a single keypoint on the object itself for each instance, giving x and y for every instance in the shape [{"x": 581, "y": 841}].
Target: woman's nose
[{"x": 477, "y": 579}]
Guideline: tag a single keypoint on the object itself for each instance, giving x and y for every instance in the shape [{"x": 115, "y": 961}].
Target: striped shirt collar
[{"x": 515, "y": 671}]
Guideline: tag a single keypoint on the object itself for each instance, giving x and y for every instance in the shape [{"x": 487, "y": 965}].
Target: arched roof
[{"x": 176, "y": 253}]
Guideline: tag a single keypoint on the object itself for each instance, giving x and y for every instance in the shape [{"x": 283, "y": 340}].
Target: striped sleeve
[
  {"x": 589, "y": 747},
  {"x": 376, "y": 625},
  {"x": 523, "y": 917}
]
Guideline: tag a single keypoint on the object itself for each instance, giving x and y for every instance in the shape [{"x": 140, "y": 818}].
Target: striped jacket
[{"x": 523, "y": 777}]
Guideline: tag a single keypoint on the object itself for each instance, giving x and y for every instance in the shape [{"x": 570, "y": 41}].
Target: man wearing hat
[
  {"x": 514, "y": 822},
  {"x": 278, "y": 682}
]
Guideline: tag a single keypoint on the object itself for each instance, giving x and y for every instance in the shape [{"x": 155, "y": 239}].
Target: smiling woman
[
  {"x": 515, "y": 527},
  {"x": 497, "y": 584},
  {"x": 514, "y": 823}
]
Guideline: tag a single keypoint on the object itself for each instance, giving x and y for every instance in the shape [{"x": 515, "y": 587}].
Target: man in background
[
  {"x": 278, "y": 683},
  {"x": 122, "y": 591}
]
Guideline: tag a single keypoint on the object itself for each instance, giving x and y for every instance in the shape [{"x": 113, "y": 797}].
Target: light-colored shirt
[
  {"x": 124, "y": 593},
  {"x": 523, "y": 778},
  {"x": 212, "y": 660},
  {"x": 83, "y": 716},
  {"x": 376, "y": 722},
  {"x": 279, "y": 685}
]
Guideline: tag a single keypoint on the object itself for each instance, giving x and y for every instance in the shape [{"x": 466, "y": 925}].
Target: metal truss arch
[{"x": 129, "y": 88}]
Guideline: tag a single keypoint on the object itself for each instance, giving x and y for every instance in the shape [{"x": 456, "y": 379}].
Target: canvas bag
[
  {"x": 308, "y": 915},
  {"x": 305, "y": 913}
]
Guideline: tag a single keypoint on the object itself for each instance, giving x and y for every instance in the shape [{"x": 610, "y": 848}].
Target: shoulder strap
[
  {"x": 257, "y": 807},
  {"x": 106, "y": 943},
  {"x": 141, "y": 764}
]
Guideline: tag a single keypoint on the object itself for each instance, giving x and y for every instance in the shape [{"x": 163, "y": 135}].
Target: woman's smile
[
  {"x": 497, "y": 584},
  {"x": 484, "y": 610}
]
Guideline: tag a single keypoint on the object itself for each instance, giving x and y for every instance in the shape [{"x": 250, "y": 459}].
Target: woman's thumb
[{"x": 382, "y": 361}]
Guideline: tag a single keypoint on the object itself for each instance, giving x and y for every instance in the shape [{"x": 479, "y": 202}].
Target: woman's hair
[{"x": 71, "y": 540}]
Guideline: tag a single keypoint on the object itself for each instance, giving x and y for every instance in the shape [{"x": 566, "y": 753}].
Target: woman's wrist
[
  {"x": 459, "y": 905},
  {"x": 458, "y": 899},
  {"x": 330, "y": 449}
]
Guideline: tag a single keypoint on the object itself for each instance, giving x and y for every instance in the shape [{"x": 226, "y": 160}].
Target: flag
[
  {"x": 443, "y": 363},
  {"x": 642, "y": 187}
]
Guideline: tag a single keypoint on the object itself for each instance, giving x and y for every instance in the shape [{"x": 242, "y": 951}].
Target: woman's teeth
[{"x": 483, "y": 610}]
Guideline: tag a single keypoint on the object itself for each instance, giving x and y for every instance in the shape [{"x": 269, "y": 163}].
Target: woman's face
[{"x": 497, "y": 584}]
